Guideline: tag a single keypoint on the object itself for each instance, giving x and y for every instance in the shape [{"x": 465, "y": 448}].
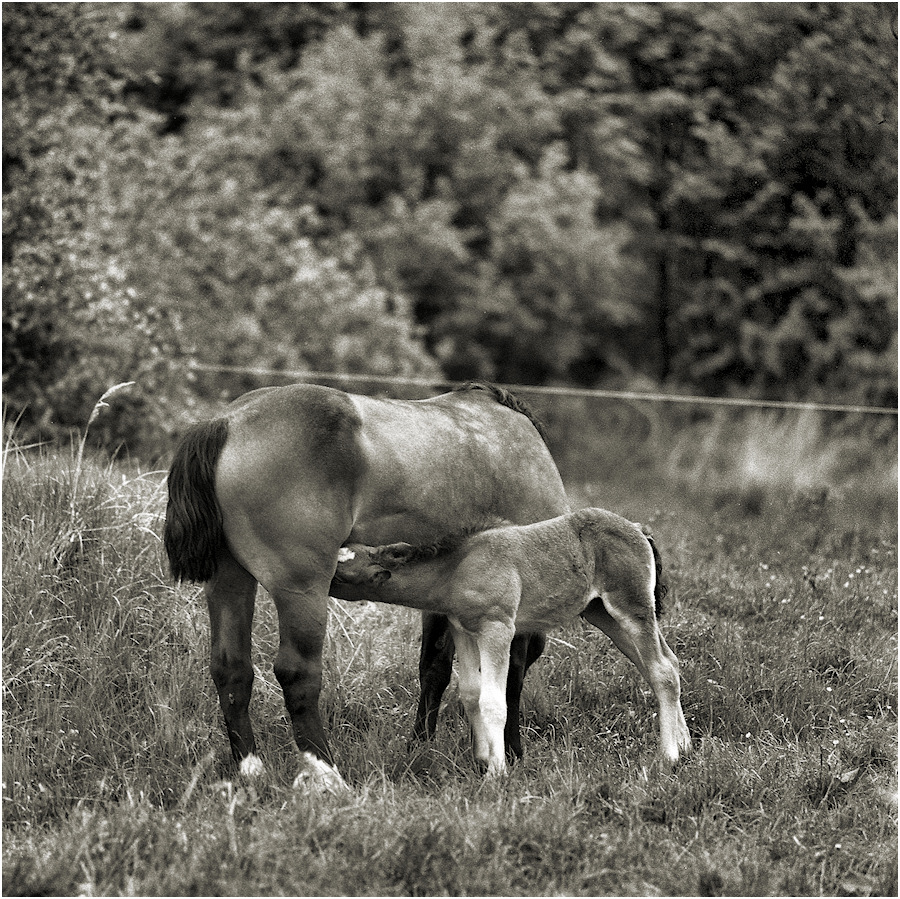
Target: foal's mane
[{"x": 506, "y": 398}]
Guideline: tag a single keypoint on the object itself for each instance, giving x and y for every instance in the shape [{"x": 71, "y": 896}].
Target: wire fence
[{"x": 625, "y": 395}]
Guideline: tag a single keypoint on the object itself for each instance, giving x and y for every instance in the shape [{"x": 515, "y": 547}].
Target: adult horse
[{"x": 269, "y": 492}]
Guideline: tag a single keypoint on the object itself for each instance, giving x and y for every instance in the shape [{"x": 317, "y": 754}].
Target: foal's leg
[
  {"x": 494, "y": 644},
  {"x": 435, "y": 669},
  {"x": 302, "y": 617},
  {"x": 436, "y": 666},
  {"x": 630, "y": 622},
  {"x": 483, "y": 667},
  {"x": 470, "y": 690},
  {"x": 230, "y": 596}
]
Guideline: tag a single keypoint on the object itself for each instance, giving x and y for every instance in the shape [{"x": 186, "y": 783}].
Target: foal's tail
[
  {"x": 660, "y": 589},
  {"x": 193, "y": 533}
]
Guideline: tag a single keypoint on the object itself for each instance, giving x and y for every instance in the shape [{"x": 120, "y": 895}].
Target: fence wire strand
[{"x": 629, "y": 395}]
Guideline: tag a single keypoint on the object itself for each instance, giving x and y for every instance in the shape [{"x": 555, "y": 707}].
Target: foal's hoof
[
  {"x": 318, "y": 776},
  {"x": 493, "y": 769}
]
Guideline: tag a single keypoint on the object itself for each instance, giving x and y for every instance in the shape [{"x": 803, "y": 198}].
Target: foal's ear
[{"x": 394, "y": 555}]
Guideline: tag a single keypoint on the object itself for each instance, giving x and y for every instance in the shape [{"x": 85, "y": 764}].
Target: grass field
[{"x": 783, "y": 612}]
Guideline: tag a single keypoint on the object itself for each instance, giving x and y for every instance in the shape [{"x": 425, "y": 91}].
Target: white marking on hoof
[
  {"x": 319, "y": 776},
  {"x": 252, "y": 766},
  {"x": 345, "y": 554}
]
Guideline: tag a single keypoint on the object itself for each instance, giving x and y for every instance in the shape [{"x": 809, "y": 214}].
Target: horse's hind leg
[
  {"x": 230, "y": 596},
  {"x": 302, "y": 618},
  {"x": 630, "y": 622}
]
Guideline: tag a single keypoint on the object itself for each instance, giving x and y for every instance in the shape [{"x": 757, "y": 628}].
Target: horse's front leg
[
  {"x": 435, "y": 669},
  {"x": 524, "y": 652},
  {"x": 230, "y": 596},
  {"x": 302, "y": 618}
]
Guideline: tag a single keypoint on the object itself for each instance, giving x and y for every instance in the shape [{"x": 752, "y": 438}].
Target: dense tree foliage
[{"x": 695, "y": 195}]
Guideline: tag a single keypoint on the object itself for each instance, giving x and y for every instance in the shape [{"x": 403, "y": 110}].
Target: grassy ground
[{"x": 783, "y": 612}]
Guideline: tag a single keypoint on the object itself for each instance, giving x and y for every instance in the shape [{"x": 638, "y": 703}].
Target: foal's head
[
  {"x": 357, "y": 565},
  {"x": 371, "y": 566}
]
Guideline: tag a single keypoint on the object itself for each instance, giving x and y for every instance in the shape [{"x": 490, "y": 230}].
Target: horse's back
[{"x": 438, "y": 465}]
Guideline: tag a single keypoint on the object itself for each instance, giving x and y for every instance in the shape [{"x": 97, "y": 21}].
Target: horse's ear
[
  {"x": 394, "y": 555},
  {"x": 379, "y": 576}
]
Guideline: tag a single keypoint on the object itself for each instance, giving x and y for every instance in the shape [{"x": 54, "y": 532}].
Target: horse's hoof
[
  {"x": 318, "y": 776},
  {"x": 251, "y": 766}
]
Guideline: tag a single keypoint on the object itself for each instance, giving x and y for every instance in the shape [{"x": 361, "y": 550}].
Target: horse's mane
[
  {"x": 506, "y": 398},
  {"x": 392, "y": 557}
]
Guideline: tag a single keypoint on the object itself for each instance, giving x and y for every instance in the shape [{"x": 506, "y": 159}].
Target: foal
[{"x": 530, "y": 578}]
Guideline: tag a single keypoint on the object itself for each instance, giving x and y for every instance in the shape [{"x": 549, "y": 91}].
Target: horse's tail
[
  {"x": 193, "y": 533},
  {"x": 506, "y": 398},
  {"x": 660, "y": 588}
]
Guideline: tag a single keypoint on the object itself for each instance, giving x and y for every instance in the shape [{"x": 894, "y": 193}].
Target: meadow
[{"x": 779, "y": 543}]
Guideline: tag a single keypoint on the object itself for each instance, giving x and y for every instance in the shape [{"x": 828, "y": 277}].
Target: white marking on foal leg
[
  {"x": 667, "y": 686},
  {"x": 682, "y": 734},
  {"x": 252, "y": 766},
  {"x": 318, "y": 776},
  {"x": 639, "y": 638},
  {"x": 493, "y": 645},
  {"x": 470, "y": 691}
]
